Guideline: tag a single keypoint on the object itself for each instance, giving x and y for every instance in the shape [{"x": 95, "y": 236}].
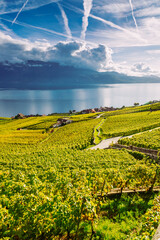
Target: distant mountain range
[{"x": 49, "y": 75}]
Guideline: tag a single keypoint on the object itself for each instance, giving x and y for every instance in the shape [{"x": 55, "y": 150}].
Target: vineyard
[
  {"x": 126, "y": 110},
  {"x": 149, "y": 139},
  {"x": 52, "y": 186},
  {"x": 77, "y": 135},
  {"x": 127, "y": 124}
]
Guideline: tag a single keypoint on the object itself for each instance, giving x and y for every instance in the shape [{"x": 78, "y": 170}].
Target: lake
[{"x": 58, "y": 101}]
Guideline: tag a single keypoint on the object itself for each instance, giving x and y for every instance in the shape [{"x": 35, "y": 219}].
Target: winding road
[{"x": 107, "y": 142}]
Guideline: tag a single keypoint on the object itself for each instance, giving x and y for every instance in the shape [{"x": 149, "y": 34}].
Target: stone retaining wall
[{"x": 154, "y": 154}]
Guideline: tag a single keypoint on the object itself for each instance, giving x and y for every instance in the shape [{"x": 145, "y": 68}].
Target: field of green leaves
[
  {"x": 52, "y": 186},
  {"x": 149, "y": 139},
  {"x": 127, "y": 124}
]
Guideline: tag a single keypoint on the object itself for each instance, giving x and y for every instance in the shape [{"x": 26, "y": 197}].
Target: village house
[
  {"x": 86, "y": 111},
  {"x": 19, "y": 116},
  {"x": 94, "y": 110},
  {"x": 62, "y": 122}
]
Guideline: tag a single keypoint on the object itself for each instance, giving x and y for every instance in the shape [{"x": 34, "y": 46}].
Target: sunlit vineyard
[
  {"x": 149, "y": 139},
  {"x": 81, "y": 117},
  {"x": 127, "y": 124},
  {"x": 53, "y": 187},
  {"x": 76, "y": 135},
  {"x": 28, "y": 123},
  {"x": 126, "y": 110},
  {"x": 22, "y": 137}
]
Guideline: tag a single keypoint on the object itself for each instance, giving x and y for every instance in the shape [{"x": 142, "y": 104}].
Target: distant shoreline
[
  {"x": 13, "y": 101},
  {"x": 80, "y": 86}
]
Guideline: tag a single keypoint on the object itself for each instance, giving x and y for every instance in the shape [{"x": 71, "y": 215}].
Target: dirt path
[
  {"x": 157, "y": 234},
  {"x": 99, "y": 115},
  {"x": 107, "y": 142}
]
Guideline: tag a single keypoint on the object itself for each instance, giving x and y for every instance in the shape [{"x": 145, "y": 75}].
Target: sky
[{"x": 103, "y": 35}]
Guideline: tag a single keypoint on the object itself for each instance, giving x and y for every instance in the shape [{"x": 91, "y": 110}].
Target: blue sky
[{"x": 106, "y": 35}]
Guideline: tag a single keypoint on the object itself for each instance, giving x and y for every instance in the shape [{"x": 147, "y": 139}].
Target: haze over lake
[{"x": 52, "y": 101}]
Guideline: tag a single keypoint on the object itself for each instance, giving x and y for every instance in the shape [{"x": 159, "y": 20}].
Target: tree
[{"x": 136, "y": 104}]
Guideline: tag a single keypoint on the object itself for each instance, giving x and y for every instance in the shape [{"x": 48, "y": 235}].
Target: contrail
[
  {"x": 31, "y": 7},
  {"x": 113, "y": 25},
  {"x": 20, "y": 11},
  {"x": 134, "y": 19},
  {"x": 46, "y": 30},
  {"x": 109, "y": 23},
  {"x": 65, "y": 20},
  {"x": 4, "y": 27},
  {"x": 35, "y": 27},
  {"x": 87, "y": 9}
]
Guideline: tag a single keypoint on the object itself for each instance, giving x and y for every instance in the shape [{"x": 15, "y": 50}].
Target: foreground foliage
[
  {"x": 60, "y": 193},
  {"x": 151, "y": 220},
  {"x": 51, "y": 187}
]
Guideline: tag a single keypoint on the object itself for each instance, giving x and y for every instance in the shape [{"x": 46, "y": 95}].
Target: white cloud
[
  {"x": 2, "y": 6},
  {"x": 150, "y": 30},
  {"x": 148, "y": 34},
  {"x": 79, "y": 54},
  {"x": 148, "y": 12},
  {"x": 141, "y": 67},
  {"x": 114, "y": 8},
  {"x": 71, "y": 53},
  {"x": 138, "y": 69},
  {"x": 118, "y": 38},
  {"x": 121, "y": 8},
  {"x": 154, "y": 52}
]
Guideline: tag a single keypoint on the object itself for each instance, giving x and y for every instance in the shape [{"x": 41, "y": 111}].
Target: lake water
[{"x": 52, "y": 101}]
